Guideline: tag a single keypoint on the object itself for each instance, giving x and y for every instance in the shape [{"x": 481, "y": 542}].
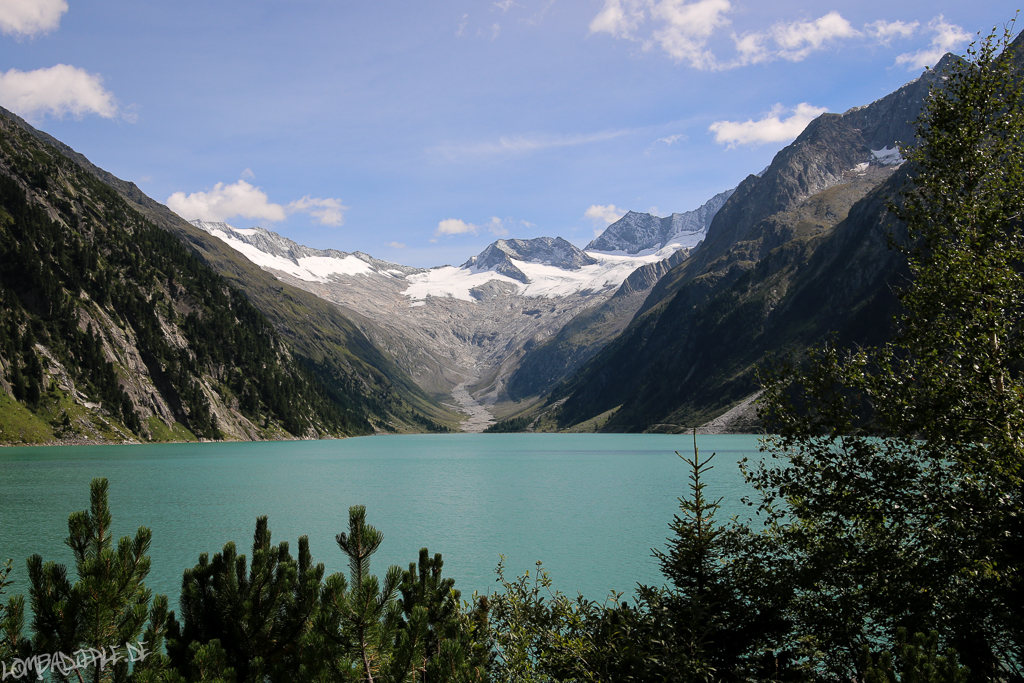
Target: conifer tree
[
  {"x": 12, "y": 620},
  {"x": 251, "y": 616},
  {"x": 107, "y": 606},
  {"x": 361, "y": 614}
]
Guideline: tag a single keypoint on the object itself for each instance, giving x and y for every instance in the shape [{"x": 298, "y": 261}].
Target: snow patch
[{"x": 546, "y": 281}]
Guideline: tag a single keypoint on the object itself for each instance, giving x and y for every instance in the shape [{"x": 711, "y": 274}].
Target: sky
[{"x": 419, "y": 132}]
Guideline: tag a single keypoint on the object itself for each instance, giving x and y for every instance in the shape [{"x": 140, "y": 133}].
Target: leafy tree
[
  {"x": 921, "y": 529},
  {"x": 917, "y": 661},
  {"x": 540, "y": 634}
]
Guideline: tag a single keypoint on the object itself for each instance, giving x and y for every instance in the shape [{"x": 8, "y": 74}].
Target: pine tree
[
  {"x": 361, "y": 614},
  {"x": 107, "y": 606},
  {"x": 252, "y": 616}
]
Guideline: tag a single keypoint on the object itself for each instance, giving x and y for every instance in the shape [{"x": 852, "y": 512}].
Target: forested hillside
[{"x": 112, "y": 329}]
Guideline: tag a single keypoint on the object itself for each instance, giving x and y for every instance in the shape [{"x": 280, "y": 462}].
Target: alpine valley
[{"x": 121, "y": 321}]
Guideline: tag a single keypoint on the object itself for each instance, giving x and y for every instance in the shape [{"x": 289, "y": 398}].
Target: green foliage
[
  {"x": 897, "y": 500},
  {"x": 251, "y": 617},
  {"x": 107, "y": 605},
  {"x": 12, "y": 620},
  {"x": 724, "y": 612},
  {"x": 81, "y": 272},
  {"x": 512, "y": 425},
  {"x": 437, "y": 641},
  {"x": 917, "y": 661}
]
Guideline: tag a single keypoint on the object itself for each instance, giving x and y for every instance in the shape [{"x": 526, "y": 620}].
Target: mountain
[
  {"x": 637, "y": 232},
  {"x": 461, "y": 331},
  {"x": 112, "y": 329},
  {"x": 500, "y": 257},
  {"x": 797, "y": 254}
]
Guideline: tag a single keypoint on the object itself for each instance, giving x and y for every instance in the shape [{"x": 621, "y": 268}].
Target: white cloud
[
  {"x": 395, "y": 245},
  {"x": 456, "y": 226},
  {"x": 604, "y": 214},
  {"x": 687, "y": 28},
  {"x": 503, "y": 5},
  {"x": 226, "y": 201},
  {"x": 771, "y": 128},
  {"x": 248, "y": 174},
  {"x": 462, "y": 25},
  {"x": 30, "y": 17},
  {"x": 793, "y": 41},
  {"x": 327, "y": 211},
  {"x": 672, "y": 139},
  {"x": 496, "y": 227},
  {"x": 683, "y": 29},
  {"x": 58, "y": 91},
  {"x": 617, "y": 20},
  {"x": 798, "y": 39},
  {"x": 885, "y": 31},
  {"x": 947, "y": 37},
  {"x": 245, "y": 200}
]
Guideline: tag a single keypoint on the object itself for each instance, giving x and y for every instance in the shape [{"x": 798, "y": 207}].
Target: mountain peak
[
  {"x": 636, "y": 232},
  {"x": 550, "y": 251}
]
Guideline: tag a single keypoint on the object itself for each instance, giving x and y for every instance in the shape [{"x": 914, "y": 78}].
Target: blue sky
[{"x": 419, "y": 132}]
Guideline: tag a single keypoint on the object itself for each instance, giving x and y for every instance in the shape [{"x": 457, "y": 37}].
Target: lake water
[{"x": 590, "y": 506}]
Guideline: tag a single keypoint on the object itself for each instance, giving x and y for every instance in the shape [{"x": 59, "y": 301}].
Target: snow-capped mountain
[
  {"x": 539, "y": 267},
  {"x": 454, "y": 328},
  {"x": 637, "y": 233}
]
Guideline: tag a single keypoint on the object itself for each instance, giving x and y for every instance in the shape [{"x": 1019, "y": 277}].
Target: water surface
[{"x": 590, "y": 506}]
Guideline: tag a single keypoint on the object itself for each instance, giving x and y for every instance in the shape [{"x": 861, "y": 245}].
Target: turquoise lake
[{"x": 590, "y": 506}]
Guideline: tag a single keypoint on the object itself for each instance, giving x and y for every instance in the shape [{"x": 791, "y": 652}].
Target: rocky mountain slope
[
  {"x": 461, "y": 331},
  {"x": 111, "y": 329},
  {"x": 796, "y": 254}
]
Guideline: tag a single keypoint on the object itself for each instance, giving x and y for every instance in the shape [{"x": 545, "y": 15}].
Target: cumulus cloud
[
  {"x": 57, "y": 91},
  {"x": 326, "y": 211},
  {"x": 885, "y": 31},
  {"x": 245, "y": 200},
  {"x": 455, "y": 226},
  {"x": 947, "y": 38},
  {"x": 771, "y": 128},
  {"x": 684, "y": 29},
  {"x": 618, "y": 18},
  {"x": 793, "y": 41},
  {"x": 226, "y": 201},
  {"x": 604, "y": 215},
  {"x": 687, "y": 27},
  {"x": 30, "y": 17}
]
